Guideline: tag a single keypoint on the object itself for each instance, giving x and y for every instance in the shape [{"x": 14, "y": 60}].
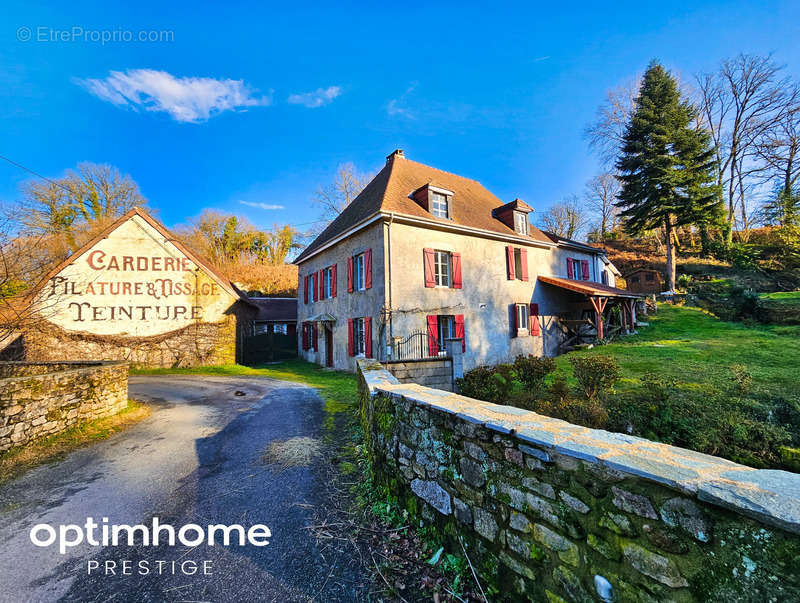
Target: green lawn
[
  {"x": 338, "y": 389},
  {"x": 697, "y": 349},
  {"x": 784, "y": 297}
]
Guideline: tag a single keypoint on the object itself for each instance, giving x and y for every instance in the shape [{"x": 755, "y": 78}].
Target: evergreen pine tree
[{"x": 666, "y": 165}]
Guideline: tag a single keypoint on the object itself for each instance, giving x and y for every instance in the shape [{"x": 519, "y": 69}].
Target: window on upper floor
[
  {"x": 358, "y": 272},
  {"x": 441, "y": 268},
  {"x": 521, "y": 222},
  {"x": 439, "y": 205}
]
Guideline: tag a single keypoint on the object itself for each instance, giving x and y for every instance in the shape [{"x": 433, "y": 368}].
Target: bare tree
[
  {"x": 601, "y": 197},
  {"x": 740, "y": 104},
  {"x": 779, "y": 146},
  {"x": 346, "y": 185},
  {"x": 605, "y": 134},
  {"x": 566, "y": 219}
]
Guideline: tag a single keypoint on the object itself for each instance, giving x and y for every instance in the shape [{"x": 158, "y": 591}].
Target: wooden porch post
[{"x": 599, "y": 304}]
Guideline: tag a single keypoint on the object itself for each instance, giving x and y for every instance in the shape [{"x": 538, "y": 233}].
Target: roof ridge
[{"x": 430, "y": 167}]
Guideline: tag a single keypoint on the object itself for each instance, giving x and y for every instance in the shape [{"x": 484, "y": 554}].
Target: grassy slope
[
  {"x": 784, "y": 297},
  {"x": 698, "y": 350}
]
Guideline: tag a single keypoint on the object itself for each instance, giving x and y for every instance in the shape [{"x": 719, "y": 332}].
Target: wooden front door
[{"x": 328, "y": 346}]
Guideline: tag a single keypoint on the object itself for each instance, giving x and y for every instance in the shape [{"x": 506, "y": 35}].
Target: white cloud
[
  {"x": 185, "y": 99},
  {"x": 317, "y": 98},
  {"x": 398, "y": 106},
  {"x": 261, "y": 205}
]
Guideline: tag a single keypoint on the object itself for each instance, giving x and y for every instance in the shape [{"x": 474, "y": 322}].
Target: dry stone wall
[
  {"x": 39, "y": 399},
  {"x": 554, "y": 512}
]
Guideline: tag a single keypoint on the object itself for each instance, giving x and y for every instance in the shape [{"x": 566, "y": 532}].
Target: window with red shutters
[
  {"x": 459, "y": 320},
  {"x": 350, "y": 276},
  {"x": 368, "y": 336},
  {"x": 533, "y": 320},
  {"x": 427, "y": 264},
  {"x": 523, "y": 262},
  {"x": 433, "y": 331},
  {"x": 456, "y": 260},
  {"x": 585, "y": 269},
  {"x": 570, "y": 268},
  {"x": 368, "y": 269},
  {"x": 510, "y": 263},
  {"x": 350, "y": 343}
]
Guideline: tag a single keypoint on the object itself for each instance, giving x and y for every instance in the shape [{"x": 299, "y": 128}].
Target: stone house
[
  {"x": 134, "y": 292},
  {"x": 423, "y": 253}
]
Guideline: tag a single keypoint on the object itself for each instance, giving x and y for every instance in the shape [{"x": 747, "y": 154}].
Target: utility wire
[{"x": 66, "y": 188}]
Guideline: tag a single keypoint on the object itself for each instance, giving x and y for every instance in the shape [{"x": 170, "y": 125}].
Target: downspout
[{"x": 389, "y": 284}]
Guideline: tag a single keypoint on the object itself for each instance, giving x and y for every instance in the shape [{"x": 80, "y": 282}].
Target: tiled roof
[
  {"x": 390, "y": 191},
  {"x": 278, "y": 309},
  {"x": 587, "y": 287}
]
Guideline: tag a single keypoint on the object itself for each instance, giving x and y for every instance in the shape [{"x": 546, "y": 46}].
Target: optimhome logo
[{"x": 156, "y": 534}]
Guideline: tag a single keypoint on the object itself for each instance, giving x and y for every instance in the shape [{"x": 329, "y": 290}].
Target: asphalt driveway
[{"x": 196, "y": 459}]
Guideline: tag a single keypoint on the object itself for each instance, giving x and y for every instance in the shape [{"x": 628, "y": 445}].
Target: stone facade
[
  {"x": 430, "y": 373},
  {"x": 41, "y": 399},
  {"x": 549, "y": 511},
  {"x": 135, "y": 293}
]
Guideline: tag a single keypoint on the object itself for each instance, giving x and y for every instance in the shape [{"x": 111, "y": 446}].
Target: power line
[
  {"x": 66, "y": 188},
  {"x": 30, "y": 171}
]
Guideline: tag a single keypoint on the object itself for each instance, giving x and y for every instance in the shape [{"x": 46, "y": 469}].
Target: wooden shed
[{"x": 644, "y": 280}]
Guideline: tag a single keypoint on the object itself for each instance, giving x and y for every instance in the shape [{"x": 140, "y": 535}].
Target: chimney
[{"x": 393, "y": 154}]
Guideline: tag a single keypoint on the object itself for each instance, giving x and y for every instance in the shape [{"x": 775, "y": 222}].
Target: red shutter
[
  {"x": 510, "y": 263},
  {"x": 350, "y": 351},
  {"x": 368, "y": 336},
  {"x": 368, "y": 269},
  {"x": 533, "y": 320},
  {"x": 350, "y": 275},
  {"x": 570, "y": 269},
  {"x": 459, "y": 320},
  {"x": 514, "y": 319},
  {"x": 333, "y": 280},
  {"x": 433, "y": 322},
  {"x": 585, "y": 266},
  {"x": 456, "y": 270},
  {"x": 523, "y": 263},
  {"x": 305, "y": 289},
  {"x": 427, "y": 261}
]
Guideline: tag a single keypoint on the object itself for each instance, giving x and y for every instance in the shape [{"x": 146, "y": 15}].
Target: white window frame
[
  {"x": 359, "y": 283},
  {"x": 442, "y": 269},
  {"x": 327, "y": 283},
  {"x": 521, "y": 222},
  {"x": 522, "y": 311},
  {"x": 440, "y": 205},
  {"x": 518, "y": 263},
  {"x": 359, "y": 339},
  {"x": 445, "y": 329}
]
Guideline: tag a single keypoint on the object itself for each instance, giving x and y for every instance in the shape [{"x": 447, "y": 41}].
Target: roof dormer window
[
  {"x": 521, "y": 222},
  {"x": 435, "y": 199},
  {"x": 439, "y": 205}
]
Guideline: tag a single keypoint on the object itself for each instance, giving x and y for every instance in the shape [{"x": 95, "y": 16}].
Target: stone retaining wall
[
  {"x": 550, "y": 511},
  {"x": 430, "y": 373},
  {"x": 194, "y": 345},
  {"x": 38, "y": 399}
]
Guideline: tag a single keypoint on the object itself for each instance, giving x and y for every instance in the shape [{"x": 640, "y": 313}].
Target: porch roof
[{"x": 588, "y": 288}]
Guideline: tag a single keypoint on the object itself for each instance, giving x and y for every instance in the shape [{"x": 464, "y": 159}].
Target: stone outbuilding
[{"x": 135, "y": 292}]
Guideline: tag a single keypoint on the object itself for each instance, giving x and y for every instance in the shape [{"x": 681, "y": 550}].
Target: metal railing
[{"x": 417, "y": 346}]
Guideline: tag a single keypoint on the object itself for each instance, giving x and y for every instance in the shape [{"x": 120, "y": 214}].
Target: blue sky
[{"x": 259, "y": 103}]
